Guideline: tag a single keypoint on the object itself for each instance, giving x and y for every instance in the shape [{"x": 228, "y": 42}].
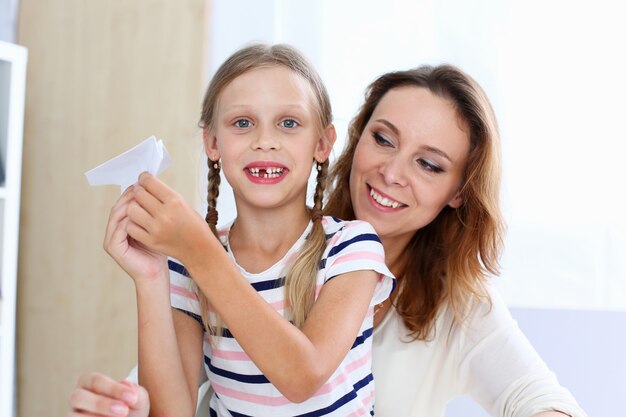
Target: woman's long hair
[
  {"x": 300, "y": 280},
  {"x": 450, "y": 259}
]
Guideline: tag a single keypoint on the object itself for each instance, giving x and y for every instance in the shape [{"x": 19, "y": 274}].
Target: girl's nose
[
  {"x": 393, "y": 171},
  {"x": 265, "y": 139}
]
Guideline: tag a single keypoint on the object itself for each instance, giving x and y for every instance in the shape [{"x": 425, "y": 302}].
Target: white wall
[{"x": 554, "y": 72}]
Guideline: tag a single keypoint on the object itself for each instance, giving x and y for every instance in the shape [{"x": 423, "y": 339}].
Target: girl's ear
[
  {"x": 325, "y": 143},
  {"x": 210, "y": 144},
  {"x": 457, "y": 201}
]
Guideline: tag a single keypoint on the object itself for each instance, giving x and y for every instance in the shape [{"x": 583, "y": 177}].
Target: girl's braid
[
  {"x": 213, "y": 192},
  {"x": 318, "y": 197}
]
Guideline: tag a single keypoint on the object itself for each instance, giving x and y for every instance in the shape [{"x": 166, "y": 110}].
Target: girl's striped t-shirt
[{"x": 240, "y": 388}]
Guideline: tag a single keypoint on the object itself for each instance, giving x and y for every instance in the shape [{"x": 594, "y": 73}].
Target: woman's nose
[{"x": 393, "y": 171}]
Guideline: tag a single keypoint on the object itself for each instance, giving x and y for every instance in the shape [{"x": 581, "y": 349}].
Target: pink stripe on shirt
[
  {"x": 359, "y": 256},
  {"x": 231, "y": 355},
  {"x": 183, "y": 292},
  {"x": 342, "y": 377},
  {"x": 252, "y": 398}
]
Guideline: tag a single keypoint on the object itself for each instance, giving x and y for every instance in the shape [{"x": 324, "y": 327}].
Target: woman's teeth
[
  {"x": 266, "y": 172},
  {"x": 383, "y": 201}
]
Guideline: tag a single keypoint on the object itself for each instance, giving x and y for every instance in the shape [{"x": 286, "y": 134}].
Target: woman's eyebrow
[
  {"x": 438, "y": 152},
  {"x": 390, "y": 125},
  {"x": 395, "y": 130}
]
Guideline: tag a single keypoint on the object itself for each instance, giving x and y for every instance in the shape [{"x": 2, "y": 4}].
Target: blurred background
[{"x": 102, "y": 76}]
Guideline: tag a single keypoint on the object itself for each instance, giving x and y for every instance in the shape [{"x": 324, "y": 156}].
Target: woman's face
[{"x": 409, "y": 163}]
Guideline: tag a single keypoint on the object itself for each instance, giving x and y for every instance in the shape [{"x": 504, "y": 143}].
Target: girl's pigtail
[
  {"x": 214, "y": 180},
  {"x": 213, "y": 192},
  {"x": 300, "y": 281}
]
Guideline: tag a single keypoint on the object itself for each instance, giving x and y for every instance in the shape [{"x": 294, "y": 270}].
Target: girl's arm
[
  {"x": 296, "y": 361},
  {"x": 170, "y": 353},
  {"x": 161, "y": 366}
]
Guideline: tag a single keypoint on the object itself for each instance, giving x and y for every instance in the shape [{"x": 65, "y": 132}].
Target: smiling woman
[
  {"x": 411, "y": 162},
  {"x": 422, "y": 165}
]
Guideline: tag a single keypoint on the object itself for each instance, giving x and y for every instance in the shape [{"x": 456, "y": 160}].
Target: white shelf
[{"x": 12, "y": 87}]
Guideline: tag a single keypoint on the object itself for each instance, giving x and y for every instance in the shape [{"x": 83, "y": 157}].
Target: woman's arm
[
  {"x": 501, "y": 370},
  {"x": 99, "y": 395}
]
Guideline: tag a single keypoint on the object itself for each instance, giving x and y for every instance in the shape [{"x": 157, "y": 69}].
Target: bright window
[{"x": 555, "y": 74}]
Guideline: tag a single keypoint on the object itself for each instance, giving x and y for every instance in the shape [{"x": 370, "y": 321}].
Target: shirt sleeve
[
  {"x": 183, "y": 291},
  {"x": 358, "y": 248},
  {"x": 501, "y": 370}
]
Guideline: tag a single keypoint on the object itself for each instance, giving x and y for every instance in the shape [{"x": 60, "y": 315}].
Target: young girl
[{"x": 287, "y": 307}]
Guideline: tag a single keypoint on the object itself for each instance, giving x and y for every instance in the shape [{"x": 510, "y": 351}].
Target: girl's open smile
[{"x": 266, "y": 172}]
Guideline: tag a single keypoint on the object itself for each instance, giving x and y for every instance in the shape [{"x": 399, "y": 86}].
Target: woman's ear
[
  {"x": 210, "y": 144},
  {"x": 325, "y": 143},
  {"x": 457, "y": 201}
]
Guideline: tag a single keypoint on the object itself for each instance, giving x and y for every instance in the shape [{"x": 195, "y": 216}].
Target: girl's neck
[{"x": 260, "y": 238}]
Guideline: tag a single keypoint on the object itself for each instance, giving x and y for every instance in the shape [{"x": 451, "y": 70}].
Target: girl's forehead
[
  {"x": 271, "y": 79},
  {"x": 268, "y": 87}
]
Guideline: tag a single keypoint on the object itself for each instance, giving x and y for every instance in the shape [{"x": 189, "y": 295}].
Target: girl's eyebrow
[{"x": 427, "y": 148}]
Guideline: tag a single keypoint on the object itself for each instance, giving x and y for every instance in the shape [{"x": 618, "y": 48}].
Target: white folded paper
[{"x": 123, "y": 170}]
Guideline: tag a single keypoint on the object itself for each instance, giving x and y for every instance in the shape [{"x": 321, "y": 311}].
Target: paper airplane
[{"x": 123, "y": 170}]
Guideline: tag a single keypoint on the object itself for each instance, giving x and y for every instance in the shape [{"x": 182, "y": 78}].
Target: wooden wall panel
[{"x": 102, "y": 76}]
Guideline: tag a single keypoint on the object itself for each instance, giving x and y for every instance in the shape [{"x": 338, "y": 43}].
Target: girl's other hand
[
  {"x": 137, "y": 260},
  {"x": 100, "y": 395},
  {"x": 163, "y": 221}
]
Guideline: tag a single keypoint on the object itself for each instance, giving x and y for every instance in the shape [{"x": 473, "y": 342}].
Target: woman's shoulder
[{"x": 485, "y": 315}]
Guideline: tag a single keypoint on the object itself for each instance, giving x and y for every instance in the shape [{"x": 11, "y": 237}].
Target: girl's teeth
[{"x": 267, "y": 172}]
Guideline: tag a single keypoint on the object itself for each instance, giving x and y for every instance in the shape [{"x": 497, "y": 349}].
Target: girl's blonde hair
[
  {"x": 300, "y": 279},
  {"x": 450, "y": 259}
]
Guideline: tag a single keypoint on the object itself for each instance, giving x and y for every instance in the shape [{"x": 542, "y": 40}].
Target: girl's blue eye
[
  {"x": 429, "y": 166},
  {"x": 242, "y": 123},
  {"x": 289, "y": 124},
  {"x": 380, "y": 139}
]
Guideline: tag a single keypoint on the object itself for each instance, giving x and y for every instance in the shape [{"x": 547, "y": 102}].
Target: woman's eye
[
  {"x": 242, "y": 123},
  {"x": 289, "y": 123},
  {"x": 380, "y": 139},
  {"x": 429, "y": 166}
]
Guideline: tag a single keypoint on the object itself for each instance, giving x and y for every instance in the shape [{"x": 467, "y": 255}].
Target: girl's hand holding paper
[
  {"x": 162, "y": 220},
  {"x": 140, "y": 262}
]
